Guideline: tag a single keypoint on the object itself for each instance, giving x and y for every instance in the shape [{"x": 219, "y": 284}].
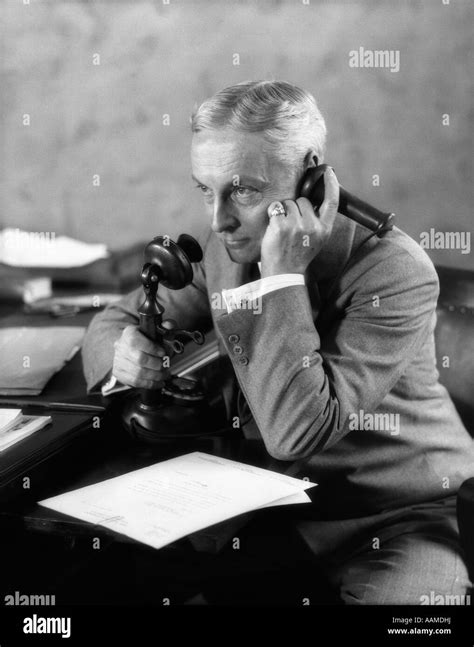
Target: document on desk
[
  {"x": 166, "y": 501},
  {"x": 31, "y": 356}
]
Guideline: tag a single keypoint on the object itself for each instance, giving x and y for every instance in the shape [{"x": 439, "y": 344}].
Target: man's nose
[{"x": 222, "y": 218}]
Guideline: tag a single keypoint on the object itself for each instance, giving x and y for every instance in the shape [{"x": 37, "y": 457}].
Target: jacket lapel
[{"x": 223, "y": 274}]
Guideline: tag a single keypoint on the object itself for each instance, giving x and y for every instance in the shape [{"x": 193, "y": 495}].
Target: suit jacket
[{"x": 356, "y": 339}]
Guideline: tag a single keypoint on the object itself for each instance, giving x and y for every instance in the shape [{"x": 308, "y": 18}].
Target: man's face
[{"x": 238, "y": 180}]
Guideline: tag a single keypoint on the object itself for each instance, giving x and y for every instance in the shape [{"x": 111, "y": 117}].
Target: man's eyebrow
[{"x": 245, "y": 179}]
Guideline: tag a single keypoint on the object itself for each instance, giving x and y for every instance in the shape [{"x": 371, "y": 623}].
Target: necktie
[{"x": 254, "y": 274}]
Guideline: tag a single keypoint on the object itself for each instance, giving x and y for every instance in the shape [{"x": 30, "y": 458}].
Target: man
[{"x": 337, "y": 362}]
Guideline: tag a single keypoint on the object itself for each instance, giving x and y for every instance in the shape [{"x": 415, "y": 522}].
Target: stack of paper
[
  {"x": 14, "y": 426},
  {"x": 166, "y": 501},
  {"x": 31, "y": 356}
]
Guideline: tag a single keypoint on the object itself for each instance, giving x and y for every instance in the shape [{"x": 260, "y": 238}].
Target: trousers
[
  {"x": 407, "y": 556},
  {"x": 413, "y": 558}
]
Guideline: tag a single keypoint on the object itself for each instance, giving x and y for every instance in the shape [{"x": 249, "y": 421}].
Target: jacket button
[
  {"x": 233, "y": 339},
  {"x": 238, "y": 350},
  {"x": 243, "y": 361}
]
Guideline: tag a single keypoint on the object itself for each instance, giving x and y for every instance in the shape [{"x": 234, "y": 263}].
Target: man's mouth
[{"x": 235, "y": 243}]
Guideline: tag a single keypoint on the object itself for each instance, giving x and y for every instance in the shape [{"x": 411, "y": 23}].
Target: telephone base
[{"x": 166, "y": 420}]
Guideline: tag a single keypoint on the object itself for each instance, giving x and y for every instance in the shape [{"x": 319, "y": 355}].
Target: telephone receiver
[{"x": 312, "y": 187}]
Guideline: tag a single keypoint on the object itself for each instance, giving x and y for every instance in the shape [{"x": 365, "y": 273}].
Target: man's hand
[
  {"x": 138, "y": 361},
  {"x": 292, "y": 241}
]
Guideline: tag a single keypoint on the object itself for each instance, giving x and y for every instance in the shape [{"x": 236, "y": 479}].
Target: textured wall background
[{"x": 158, "y": 59}]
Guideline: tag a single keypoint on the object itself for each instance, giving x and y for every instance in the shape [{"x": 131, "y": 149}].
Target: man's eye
[
  {"x": 204, "y": 189},
  {"x": 242, "y": 191}
]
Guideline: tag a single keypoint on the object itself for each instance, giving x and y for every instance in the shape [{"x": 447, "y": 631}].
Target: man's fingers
[
  {"x": 139, "y": 358},
  {"x": 293, "y": 213},
  {"x": 138, "y": 383},
  {"x": 130, "y": 365},
  {"x": 307, "y": 213},
  {"x": 328, "y": 209},
  {"x": 132, "y": 337},
  {"x": 170, "y": 324},
  {"x": 127, "y": 372}
]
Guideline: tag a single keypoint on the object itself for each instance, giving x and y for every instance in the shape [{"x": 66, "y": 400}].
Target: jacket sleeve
[
  {"x": 189, "y": 307},
  {"x": 301, "y": 388}
]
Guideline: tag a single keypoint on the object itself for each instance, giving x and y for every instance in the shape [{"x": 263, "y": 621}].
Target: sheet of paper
[
  {"x": 298, "y": 497},
  {"x": 31, "y": 356},
  {"x": 25, "y": 427},
  {"x": 33, "y": 249},
  {"x": 169, "y": 500},
  {"x": 8, "y": 418}
]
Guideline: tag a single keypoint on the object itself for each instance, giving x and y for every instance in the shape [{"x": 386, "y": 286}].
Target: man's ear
[{"x": 311, "y": 159}]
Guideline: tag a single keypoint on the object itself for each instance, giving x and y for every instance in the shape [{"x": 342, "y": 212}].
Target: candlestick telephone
[{"x": 179, "y": 408}]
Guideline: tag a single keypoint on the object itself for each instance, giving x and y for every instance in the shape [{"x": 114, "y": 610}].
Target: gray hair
[{"x": 288, "y": 117}]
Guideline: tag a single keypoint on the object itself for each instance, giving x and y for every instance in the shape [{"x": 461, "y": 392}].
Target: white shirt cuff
[
  {"x": 257, "y": 289},
  {"x": 113, "y": 386}
]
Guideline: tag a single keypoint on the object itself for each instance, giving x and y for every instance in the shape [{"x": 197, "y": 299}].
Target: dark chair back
[
  {"x": 455, "y": 339},
  {"x": 455, "y": 349}
]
